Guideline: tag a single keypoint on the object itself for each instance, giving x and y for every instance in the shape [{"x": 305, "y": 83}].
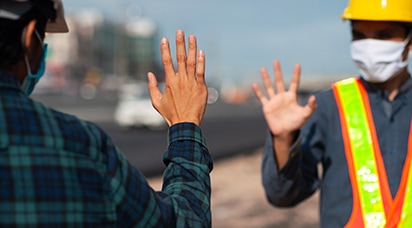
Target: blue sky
[{"x": 239, "y": 37}]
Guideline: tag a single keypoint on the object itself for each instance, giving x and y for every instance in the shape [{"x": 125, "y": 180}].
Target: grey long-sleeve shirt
[{"x": 320, "y": 143}]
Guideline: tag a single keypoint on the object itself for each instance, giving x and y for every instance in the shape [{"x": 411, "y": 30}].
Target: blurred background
[
  {"x": 98, "y": 73},
  {"x": 111, "y": 41},
  {"x": 98, "y": 70}
]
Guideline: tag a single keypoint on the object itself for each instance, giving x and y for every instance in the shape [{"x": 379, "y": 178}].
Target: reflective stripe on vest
[{"x": 372, "y": 202}]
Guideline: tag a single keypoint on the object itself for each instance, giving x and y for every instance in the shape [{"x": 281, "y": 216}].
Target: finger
[
  {"x": 166, "y": 57},
  {"x": 311, "y": 106},
  {"x": 200, "y": 70},
  {"x": 280, "y": 87},
  {"x": 181, "y": 53},
  {"x": 294, "y": 84},
  {"x": 312, "y": 102},
  {"x": 259, "y": 94},
  {"x": 267, "y": 83},
  {"x": 154, "y": 91},
  {"x": 191, "y": 57}
]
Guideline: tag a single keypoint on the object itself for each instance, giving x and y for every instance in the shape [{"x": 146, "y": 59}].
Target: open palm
[{"x": 281, "y": 109}]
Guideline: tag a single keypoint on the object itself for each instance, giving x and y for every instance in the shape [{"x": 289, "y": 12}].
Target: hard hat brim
[
  {"x": 14, "y": 10},
  {"x": 58, "y": 25}
]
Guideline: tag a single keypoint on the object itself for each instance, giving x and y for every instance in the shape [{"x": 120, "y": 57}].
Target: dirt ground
[{"x": 238, "y": 198}]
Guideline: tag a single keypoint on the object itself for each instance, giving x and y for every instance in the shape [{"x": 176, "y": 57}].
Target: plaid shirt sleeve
[
  {"x": 185, "y": 198},
  {"x": 59, "y": 171}
]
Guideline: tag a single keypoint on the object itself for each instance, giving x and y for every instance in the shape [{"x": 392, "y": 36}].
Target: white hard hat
[{"x": 53, "y": 9}]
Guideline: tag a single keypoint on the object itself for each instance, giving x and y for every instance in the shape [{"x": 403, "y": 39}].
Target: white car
[{"x": 135, "y": 109}]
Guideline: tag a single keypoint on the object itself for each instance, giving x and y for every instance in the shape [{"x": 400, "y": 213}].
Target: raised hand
[
  {"x": 185, "y": 95},
  {"x": 281, "y": 109},
  {"x": 283, "y": 114}
]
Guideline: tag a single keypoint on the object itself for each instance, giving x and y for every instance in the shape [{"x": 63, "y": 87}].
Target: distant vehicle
[{"x": 135, "y": 109}]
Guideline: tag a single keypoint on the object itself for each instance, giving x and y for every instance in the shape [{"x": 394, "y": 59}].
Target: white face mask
[{"x": 379, "y": 60}]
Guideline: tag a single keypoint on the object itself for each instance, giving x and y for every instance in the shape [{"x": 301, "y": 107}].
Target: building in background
[
  {"x": 99, "y": 55},
  {"x": 140, "y": 47}
]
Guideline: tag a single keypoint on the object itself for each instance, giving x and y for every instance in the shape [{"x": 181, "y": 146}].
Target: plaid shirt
[{"x": 59, "y": 171}]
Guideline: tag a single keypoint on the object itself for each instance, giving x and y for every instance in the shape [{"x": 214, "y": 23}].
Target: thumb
[
  {"x": 155, "y": 94},
  {"x": 311, "y": 106}
]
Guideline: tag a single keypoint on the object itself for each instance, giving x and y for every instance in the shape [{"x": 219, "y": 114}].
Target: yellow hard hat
[{"x": 379, "y": 10}]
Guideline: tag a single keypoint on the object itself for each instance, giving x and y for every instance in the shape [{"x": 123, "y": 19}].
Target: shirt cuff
[
  {"x": 295, "y": 148},
  {"x": 185, "y": 131},
  {"x": 294, "y": 156}
]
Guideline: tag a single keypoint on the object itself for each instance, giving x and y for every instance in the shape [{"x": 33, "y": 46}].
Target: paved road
[
  {"x": 229, "y": 129},
  {"x": 224, "y": 136}
]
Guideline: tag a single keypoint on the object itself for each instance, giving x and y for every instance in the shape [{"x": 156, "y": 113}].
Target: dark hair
[
  {"x": 406, "y": 25},
  {"x": 11, "y": 48},
  {"x": 408, "y": 28}
]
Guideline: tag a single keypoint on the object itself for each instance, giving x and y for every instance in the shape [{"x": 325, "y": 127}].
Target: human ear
[{"x": 28, "y": 36}]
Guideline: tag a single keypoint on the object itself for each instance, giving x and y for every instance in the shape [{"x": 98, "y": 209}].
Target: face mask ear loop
[
  {"x": 38, "y": 36},
  {"x": 26, "y": 60},
  {"x": 408, "y": 38}
]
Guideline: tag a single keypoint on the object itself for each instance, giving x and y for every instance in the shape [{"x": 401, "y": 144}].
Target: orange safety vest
[{"x": 373, "y": 205}]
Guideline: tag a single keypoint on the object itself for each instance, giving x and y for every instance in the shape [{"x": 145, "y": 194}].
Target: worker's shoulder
[{"x": 67, "y": 124}]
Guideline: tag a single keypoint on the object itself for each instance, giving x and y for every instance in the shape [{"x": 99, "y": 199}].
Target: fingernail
[
  {"x": 201, "y": 53},
  {"x": 164, "y": 40},
  {"x": 179, "y": 34},
  {"x": 192, "y": 39},
  {"x": 149, "y": 77}
]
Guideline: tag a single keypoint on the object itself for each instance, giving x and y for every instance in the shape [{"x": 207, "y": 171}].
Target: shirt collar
[{"x": 405, "y": 88}]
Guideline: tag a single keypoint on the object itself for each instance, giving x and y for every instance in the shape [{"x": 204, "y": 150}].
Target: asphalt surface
[{"x": 229, "y": 129}]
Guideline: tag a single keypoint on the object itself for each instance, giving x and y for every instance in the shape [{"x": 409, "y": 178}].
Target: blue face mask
[{"x": 31, "y": 79}]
